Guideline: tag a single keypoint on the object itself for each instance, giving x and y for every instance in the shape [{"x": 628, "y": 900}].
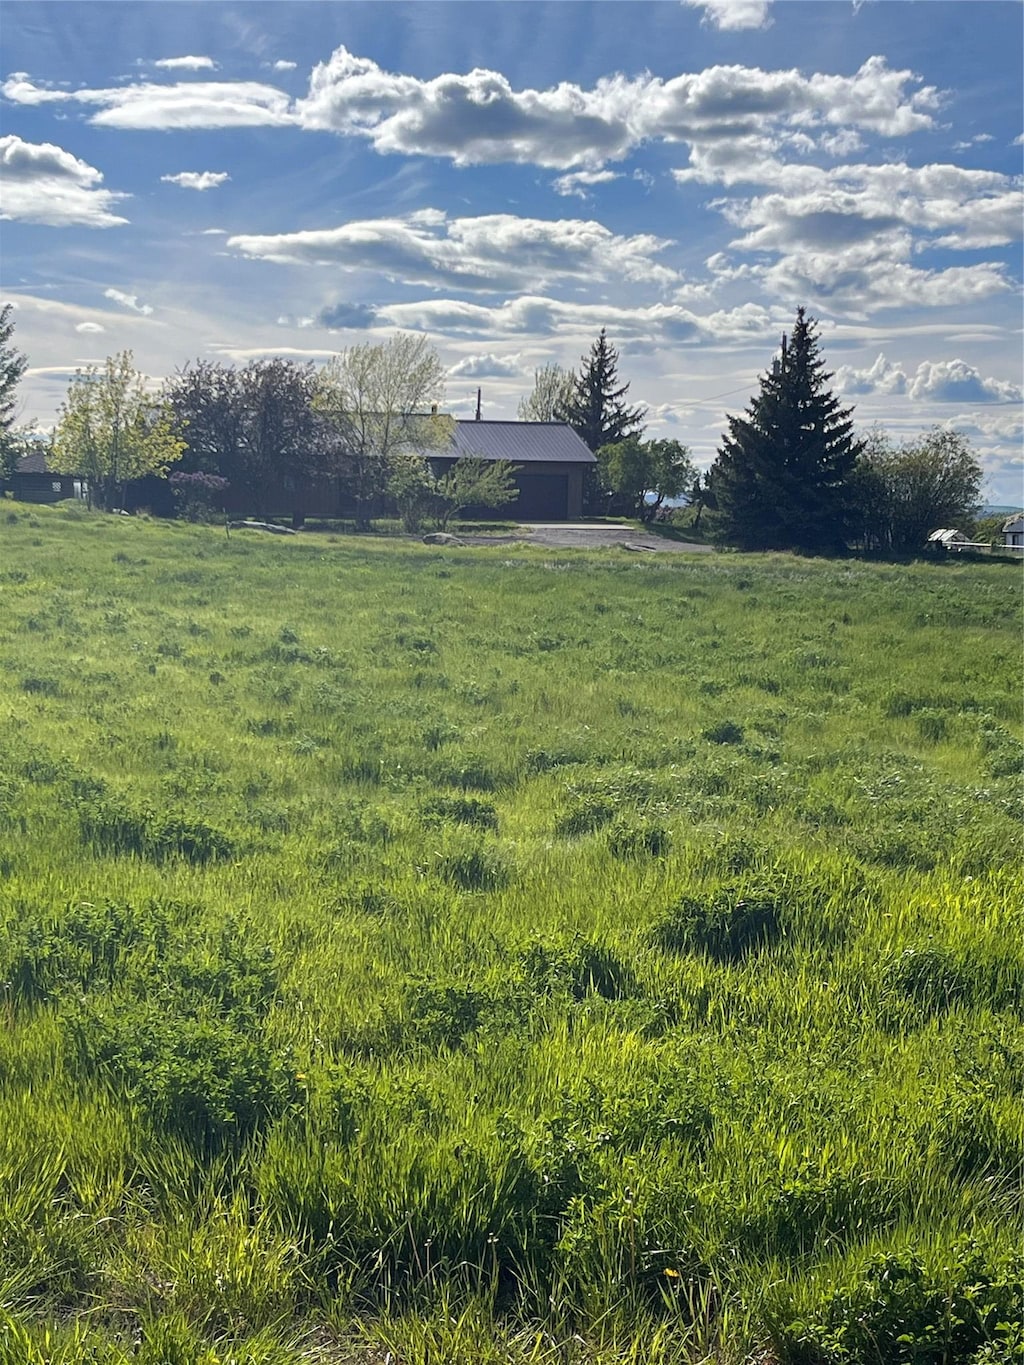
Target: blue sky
[{"x": 229, "y": 181}]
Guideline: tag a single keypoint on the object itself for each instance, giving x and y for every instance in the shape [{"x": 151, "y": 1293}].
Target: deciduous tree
[
  {"x": 551, "y": 398},
  {"x": 782, "y": 479},
  {"x": 640, "y": 475},
  {"x": 112, "y": 429},
  {"x": 380, "y": 403},
  {"x": 257, "y": 426},
  {"x": 907, "y": 491},
  {"x": 473, "y": 482}
]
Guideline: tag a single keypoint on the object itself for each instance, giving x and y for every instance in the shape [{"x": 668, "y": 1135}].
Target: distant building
[
  {"x": 949, "y": 540},
  {"x": 32, "y": 481},
  {"x": 1013, "y": 532},
  {"x": 549, "y": 460},
  {"x": 549, "y": 457}
]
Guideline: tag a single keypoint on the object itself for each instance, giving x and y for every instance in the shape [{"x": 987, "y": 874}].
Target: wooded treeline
[{"x": 791, "y": 473}]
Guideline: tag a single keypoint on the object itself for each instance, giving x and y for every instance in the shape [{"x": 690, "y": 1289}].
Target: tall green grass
[{"x": 496, "y": 955}]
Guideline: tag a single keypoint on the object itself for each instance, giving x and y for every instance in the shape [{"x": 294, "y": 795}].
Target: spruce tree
[
  {"x": 596, "y": 410},
  {"x": 783, "y": 476}
]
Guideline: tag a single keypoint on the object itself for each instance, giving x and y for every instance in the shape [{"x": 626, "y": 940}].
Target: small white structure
[
  {"x": 1013, "y": 532},
  {"x": 949, "y": 540}
]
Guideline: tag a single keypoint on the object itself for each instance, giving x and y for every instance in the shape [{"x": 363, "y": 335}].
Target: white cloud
[
  {"x": 538, "y": 315},
  {"x": 214, "y": 232},
  {"x": 863, "y": 281},
  {"x": 197, "y": 104},
  {"x": 849, "y": 234},
  {"x": 954, "y": 381},
  {"x": 479, "y": 117},
  {"x": 186, "y": 64},
  {"x": 579, "y": 182},
  {"x": 284, "y": 65},
  {"x": 733, "y": 14},
  {"x": 487, "y": 366},
  {"x": 130, "y": 301},
  {"x": 197, "y": 180},
  {"x": 493, "y": 252},
  {"x": 881, "y": 377},
  {"x": 42, "y": 183},
  {"x": 941, "y": 381},
  {"x": 89, "y": 327}
]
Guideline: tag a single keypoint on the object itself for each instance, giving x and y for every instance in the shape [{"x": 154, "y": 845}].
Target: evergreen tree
[
  {"x": 13, "y": 364},
  {"x": 783, "y": 476},
  {"x": 596, "y": 409}
]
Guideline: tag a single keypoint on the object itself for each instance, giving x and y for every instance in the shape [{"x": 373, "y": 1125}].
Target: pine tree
[
  {"x": 783, "y": 476},
  {"x": 13, "y": 364},
  {"x": 596, "y": 411}
]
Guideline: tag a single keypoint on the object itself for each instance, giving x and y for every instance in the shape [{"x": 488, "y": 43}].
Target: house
[
  {"x": 550, "y": 463},
  {"x": 33, "y": 482},
  {"x": 1013, "y": 532},
  {"x": 549, "y": 459}
]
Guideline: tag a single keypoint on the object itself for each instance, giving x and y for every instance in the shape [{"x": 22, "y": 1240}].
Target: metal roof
[
  {"x": 518, "y": 442},
  {"x": 32, "y": 463}
]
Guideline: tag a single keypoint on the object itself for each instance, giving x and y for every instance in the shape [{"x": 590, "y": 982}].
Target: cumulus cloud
[
  {"x": 942, "y": 381},
  {"x": 196, "y": 104},
  {"x": 283, "y": 65},
  {"x": 487, "y": 366},
  {"x": 42, "y": 183},
  {"x": 493, "y": 252},
  {"x": 863, "y": 281},
  {"x": 479, "y": 117},
  {"x": 881, "y": 377},
  {"x": 733, "y": 14},
  {"x": 130, "y": 301},
  {"x": 341, "y": 315},
  {"x": 186, "y": 64},
  {"x": 954, "y": 381},
  {"x": 197, "y": 180},
  {"x": 579, "y": 182},
  {"x": 850, "y": 234}
]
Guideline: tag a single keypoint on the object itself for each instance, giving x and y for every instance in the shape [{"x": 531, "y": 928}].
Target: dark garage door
[{"x": 542, "y": 497}]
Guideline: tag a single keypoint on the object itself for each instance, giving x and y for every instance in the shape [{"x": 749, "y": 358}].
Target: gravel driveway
[{"x": 566, "y": 535}]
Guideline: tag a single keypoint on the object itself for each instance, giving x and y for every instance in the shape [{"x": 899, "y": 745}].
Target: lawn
[{"x": 452, "y": 956}]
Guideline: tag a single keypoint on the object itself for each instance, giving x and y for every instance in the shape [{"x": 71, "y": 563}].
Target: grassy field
[{"x": 445, "y": 957}]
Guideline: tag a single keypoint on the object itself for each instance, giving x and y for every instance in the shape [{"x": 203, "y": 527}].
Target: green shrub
[
  {"x": 210, "y": 1081},
  {"x": 898, "y": 1312},
  {"x": 587, "y": 813},
  {"x": 462, "y": 810},
  {"x": 642, "y": 839},
  {"x": 473, "y": 867},
  {"x": 114, "y": 827},
  {"x": 577, "y": 967},
  {"x": 724, "y": 732},
  {"x": 741, "y": 918}
]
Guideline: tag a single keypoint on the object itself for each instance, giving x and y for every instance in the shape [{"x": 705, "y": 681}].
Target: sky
[{"x": 227, "y": 182}]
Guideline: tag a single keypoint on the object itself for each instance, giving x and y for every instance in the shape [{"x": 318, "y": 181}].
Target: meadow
[{"x": 448, "y": 957}]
